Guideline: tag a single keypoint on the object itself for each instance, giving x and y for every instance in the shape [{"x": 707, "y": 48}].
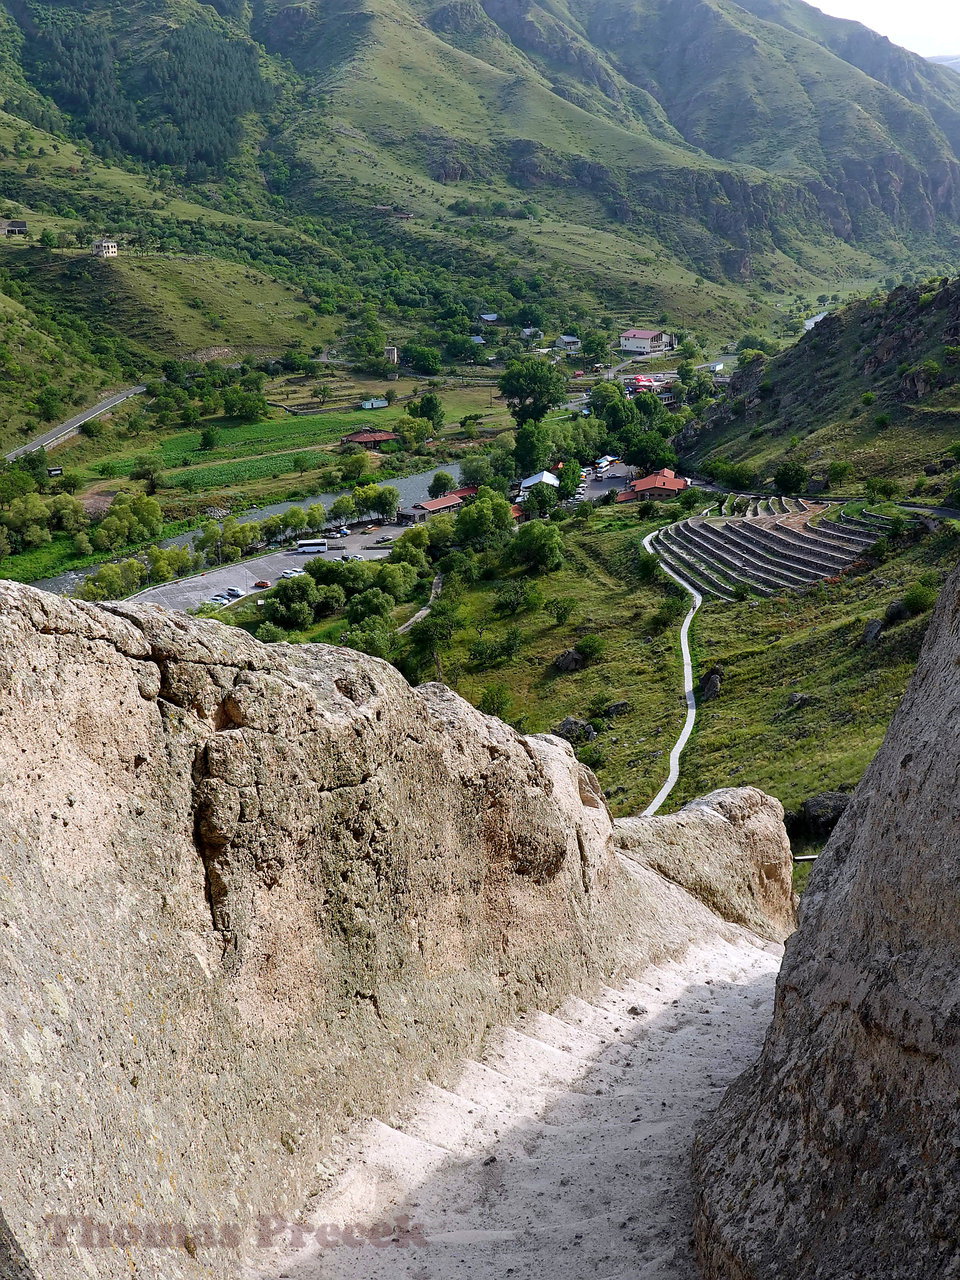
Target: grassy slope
[
  {"x": 806, "y": 403},
  {"x": 809, "y": 644}
]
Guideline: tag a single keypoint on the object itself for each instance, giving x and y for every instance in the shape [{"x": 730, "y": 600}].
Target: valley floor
[{"x": 565, "y": 1150}]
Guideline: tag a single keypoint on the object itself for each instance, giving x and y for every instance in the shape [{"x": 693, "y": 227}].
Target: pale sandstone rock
[
  {"x": 729, "y": 849},
  {"x": 249, "y": 894},
  {"x": 837, "y": 1155}
]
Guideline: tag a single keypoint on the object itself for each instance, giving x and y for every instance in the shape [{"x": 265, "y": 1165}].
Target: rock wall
[
  {"x": 249, "y": 894},
  {"x": 836, "y": 1155}
]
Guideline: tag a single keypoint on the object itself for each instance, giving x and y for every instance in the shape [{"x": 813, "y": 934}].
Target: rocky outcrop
[
  {"x": 836, "y": 1154},
  {"x": 702, "y": 849},
  {"x": 250, "y": 893}
]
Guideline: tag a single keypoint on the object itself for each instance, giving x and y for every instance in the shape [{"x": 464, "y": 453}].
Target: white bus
[{"x": 311, "y": 546}]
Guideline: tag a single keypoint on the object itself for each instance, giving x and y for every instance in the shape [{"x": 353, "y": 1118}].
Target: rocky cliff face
[
  {"x": 250, "y": 893},
  {"x": 836, "y": 1154}
]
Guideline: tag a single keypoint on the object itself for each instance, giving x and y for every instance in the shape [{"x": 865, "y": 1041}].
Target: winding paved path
[{"x": 688, "y": 724}]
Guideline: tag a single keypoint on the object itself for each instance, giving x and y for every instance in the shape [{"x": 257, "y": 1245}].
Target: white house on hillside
[
  {"x": 567, "y": 342},
  {"x": 646, "y": 342},
  {"x": 105, "y": 248}
]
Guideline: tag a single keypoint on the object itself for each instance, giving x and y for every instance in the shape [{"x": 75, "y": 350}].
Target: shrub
[
  {"x": 590, "y": 647},
  {"x": 495, "y": 700},
  {"x": 868, "y": 397},
  {"x": 919, "y": 598}
]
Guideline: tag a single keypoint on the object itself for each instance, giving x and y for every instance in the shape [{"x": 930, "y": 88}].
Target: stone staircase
[
  {"x": 782, "y": 544},
  {"x": 564, "y": 1151}
]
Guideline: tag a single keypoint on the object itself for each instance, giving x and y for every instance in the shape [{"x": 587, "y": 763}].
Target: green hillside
[
  {"x": 875, "y": 386},
  {"x": 641, "y": 158}
]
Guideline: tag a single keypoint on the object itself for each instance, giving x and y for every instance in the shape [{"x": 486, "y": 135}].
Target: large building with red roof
[
  {"x": 451, "y": 501},
  {"x": 660, "y": 484},
  {"x": 369, "y": 438}
]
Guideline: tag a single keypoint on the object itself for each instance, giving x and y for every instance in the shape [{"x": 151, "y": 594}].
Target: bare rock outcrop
[
  {"x": 836, "y": 1154},
  {"x": 729, "y": 849},
  {"x": 250, "y": 893}
]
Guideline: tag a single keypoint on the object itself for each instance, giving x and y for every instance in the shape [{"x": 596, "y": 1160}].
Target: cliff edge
[
  {"x": 250, "y": 894},
  {"x": 836, "y": 1153}
]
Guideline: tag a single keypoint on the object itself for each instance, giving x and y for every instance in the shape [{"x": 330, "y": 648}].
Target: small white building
[
  {"x": 375, "y": 403},
  {"x": 542, "y": 477},
  {"x": 567, "y": 342},
  {"x": 646, "y": 342},
  {"x": 105, "y": 248},
  {"x": 532, "y": 334},
  {"x": 391, "y": 355}
]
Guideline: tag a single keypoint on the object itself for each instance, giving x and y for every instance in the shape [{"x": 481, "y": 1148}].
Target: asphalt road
[
  {"x": 188, "y": 593},
  {"x": 66, "y": 429}
]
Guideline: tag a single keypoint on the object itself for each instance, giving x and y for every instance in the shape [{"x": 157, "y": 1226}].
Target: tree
[
  {"x": 533, "y": 448},
  {"x": 209, "y": 438},
  {"x": 343, "y": 509},
  {"x": 540, "y": 500},
  {"x": 531, "y": 387},
  {"x": 386, "y": 500},
  {"x": 538, "y": 546},
  {"x": 485, "y": 522},
  {"x": 365, "y": 498},
  {"x": 369, "y": 604},
  {"x": 425, "y": 360},
  {"x": 569, "y": 478},
  {"x": 431, "y": 408},
  {"x": 494, "y": 700},
  {"x": 791, "y": 477},
  {"x": 441, "y": 483},
  {"x": 48, "y": 238},
  {"x": 646, "y": 450},
  {"x": 291, "y": 602}
]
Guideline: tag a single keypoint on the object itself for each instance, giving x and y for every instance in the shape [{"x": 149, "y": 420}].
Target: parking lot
[{"x": 188, "y": 593}]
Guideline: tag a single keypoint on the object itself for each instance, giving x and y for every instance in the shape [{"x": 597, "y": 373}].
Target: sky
[{"x": 925, "y": 26}]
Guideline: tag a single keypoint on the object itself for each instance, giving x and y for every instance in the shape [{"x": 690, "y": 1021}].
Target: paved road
[
  {"x": 188, "y": 593},
  {"x": 656, "y": 803},
  {"x": 70, "y": 428}
]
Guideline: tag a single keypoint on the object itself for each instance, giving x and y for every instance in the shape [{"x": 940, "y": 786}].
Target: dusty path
[
  {"x": 673, "y": 774},
  {"x": 564, "y": 1153}
]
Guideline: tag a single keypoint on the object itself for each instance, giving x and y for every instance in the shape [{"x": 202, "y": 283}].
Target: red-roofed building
[
  {"x": 661, "y": 484},
  {"x": 372, "y": 438},
  {"x": 646, "y": 342},
  {"x": 451, "y": 502}
]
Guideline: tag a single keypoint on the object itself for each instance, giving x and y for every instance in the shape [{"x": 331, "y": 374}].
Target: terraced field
[{"x": 778, "y": 544}]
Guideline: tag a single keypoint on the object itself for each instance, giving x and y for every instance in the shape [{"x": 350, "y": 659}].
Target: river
[{"x": 412, "y": 489}]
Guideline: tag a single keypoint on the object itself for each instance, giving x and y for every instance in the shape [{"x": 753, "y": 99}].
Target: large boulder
[
  {"x": 249, "y": 893},
  {"x": 836, "y": 1155},
  {"x": 730, "y": 849}
]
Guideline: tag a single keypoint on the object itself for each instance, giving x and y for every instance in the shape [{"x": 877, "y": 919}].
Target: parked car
[
  {"x": 263, "y": 582},
  {"x": 234, "y": 593},
  {"x": 381, "y": 542},
  {"x": 355, "y": 557},
  {"x": 578, "y": 373},
  {"x": 344, "y": 533},
  {"x": 288, "y": 573},
  {"x": 218, "y": 600}
]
